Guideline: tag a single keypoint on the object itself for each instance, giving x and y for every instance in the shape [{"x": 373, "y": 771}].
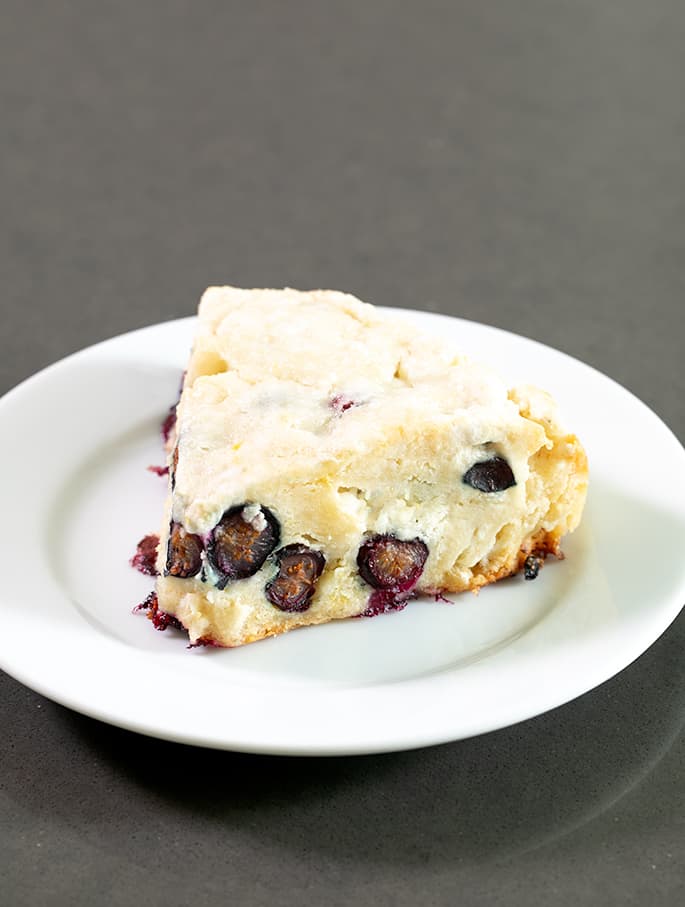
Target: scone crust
[{"x": 260, "y": 421}]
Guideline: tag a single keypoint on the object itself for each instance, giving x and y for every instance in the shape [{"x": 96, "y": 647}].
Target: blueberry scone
[{"x": 329, "y": 460}]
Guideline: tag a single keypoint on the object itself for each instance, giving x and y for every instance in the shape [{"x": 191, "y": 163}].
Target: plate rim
[{"x": 408, "y": 742}]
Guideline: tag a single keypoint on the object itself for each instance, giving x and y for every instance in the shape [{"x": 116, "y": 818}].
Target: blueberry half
[
  {"x": 299, "y": 568},
  {"x": 241, "y": 541},
  {"x": 183, "y": 553},
  {"x": 386, "y": 562}
]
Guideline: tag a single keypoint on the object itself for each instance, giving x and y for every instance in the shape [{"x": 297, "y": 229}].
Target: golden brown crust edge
[{"x": 542, "y": 544}]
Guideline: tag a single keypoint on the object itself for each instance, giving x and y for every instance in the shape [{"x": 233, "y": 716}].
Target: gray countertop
[{"x": 515, "y": 164}]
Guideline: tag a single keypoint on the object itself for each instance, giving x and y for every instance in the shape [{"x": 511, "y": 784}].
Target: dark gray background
[{"x": 519, "y": 164}]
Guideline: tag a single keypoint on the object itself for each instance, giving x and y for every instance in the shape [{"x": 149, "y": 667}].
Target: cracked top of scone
[
  {"x": 282, "y": 383},
  {"x": 319, "y": 339}
]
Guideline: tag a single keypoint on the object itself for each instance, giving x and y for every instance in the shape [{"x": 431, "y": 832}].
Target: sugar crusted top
[
  {"x": 320, "y": 338},
  {"x": 281, "y": 379}
]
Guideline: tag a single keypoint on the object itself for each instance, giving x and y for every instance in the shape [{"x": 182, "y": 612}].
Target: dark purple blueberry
[
  {"x": 183, "y": 553},
  {"x": 169, "y": 423},
  {"x": 299, "y": 567},
  {"x": 161, "y": 620},
  {"x": 490, "y": 475},
  {"x": 341, "y": 403},
  {"x": 386, "y": 562},
  {"x": 531, "y": 566},
  {"x": 238, "y": 546},
  {"x": 382, "y": 601},
  {"x": 146, "y": 555}
]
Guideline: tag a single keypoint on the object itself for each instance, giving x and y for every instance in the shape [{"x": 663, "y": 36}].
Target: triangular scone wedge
[{"x": 329, "y": 460}]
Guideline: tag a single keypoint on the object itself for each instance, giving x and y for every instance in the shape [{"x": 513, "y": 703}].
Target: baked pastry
[{"x": 329, "y": 460}]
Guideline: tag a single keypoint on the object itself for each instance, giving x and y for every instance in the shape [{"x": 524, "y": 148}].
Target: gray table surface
[{"x": 517, "y": 164}]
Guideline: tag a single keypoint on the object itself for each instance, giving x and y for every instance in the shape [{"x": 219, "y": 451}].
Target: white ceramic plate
[{"x": 76, "y": 498}]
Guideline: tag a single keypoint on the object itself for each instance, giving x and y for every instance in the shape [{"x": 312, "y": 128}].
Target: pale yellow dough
[{"x": 260, "y": 422}]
